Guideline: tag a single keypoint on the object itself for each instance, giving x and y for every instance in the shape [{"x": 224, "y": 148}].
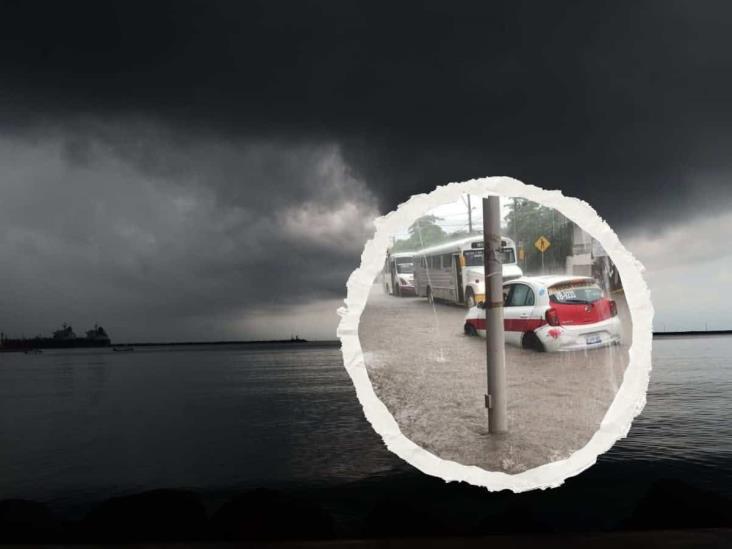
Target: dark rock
[
  {"x": 158, "y": 515},
  {"x": 674, "y": 504},
  {"x": 23, "y": 521},
  {"x": 271, "y": 515},
  {"x": 514, "y": 518},
  {"x": 399, "y": 518}
]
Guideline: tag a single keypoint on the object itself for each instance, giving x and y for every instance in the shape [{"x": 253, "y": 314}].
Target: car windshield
[
  {"x": 575, "y": 293},
  {"x": 474, "y": 258},
  {"x": 405, "y": 268}
]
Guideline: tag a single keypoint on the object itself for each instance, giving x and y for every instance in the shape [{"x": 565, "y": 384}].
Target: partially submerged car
[{"x": 553, "y": 313}]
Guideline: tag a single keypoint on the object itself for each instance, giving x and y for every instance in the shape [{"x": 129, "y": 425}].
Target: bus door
[
  {"x": 458, "y": 261},
  {"x": 394, "y": 280}
]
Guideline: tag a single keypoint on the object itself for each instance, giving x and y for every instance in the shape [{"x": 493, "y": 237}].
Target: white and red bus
[{"x": 453, "y": 272}]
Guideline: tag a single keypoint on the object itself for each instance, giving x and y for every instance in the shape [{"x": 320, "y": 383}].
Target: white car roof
[
  {"x": 402, "y": 254},
  {"x": 550, "y": 280}
]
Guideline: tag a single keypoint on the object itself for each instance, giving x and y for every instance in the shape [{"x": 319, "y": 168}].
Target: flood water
[
  {"x": 432, "y": 378},
  {"x": 77, "y": 427}
]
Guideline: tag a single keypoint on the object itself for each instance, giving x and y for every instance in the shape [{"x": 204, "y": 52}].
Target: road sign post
[
  {"x": 495, "y": 399},
  {"x": 542, "y": 244}
]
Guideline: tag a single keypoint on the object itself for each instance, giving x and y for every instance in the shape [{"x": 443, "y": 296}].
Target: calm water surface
[
  {"x": 86, "y": 425},
  {"x": 688, "y": 417},
  {"x": 80, "y": 426}
]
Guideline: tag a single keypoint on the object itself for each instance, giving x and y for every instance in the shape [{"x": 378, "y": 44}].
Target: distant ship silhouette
[{"x": 65, "y": 338}]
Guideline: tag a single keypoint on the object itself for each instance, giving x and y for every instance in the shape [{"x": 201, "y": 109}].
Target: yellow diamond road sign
[{"x": 542, "y": 244}]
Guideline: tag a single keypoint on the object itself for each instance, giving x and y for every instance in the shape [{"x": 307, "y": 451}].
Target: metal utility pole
[
  {"x": 470, "y": 217},
  {"x": 495, "y": 400}
]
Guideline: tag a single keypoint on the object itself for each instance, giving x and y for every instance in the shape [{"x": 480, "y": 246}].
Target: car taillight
[
  {"x": 552, "y": 317},
  {"x": 613, "y": 308},
  {"x": 402, "y": 281}
]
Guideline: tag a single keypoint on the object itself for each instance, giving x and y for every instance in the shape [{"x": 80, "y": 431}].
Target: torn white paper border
[{"x": 629, "y": 400}]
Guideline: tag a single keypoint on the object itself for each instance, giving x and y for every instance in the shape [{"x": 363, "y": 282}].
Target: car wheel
[
  {"x": 430, "y": 297},
  {"x": 470, "y": 330},
  {"x": 470, "y": 298},
  {"x": 531, "y": 341}
]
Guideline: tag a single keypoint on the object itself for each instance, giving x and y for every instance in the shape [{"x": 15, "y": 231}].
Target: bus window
[
  {"x": 474, "y": 258},
  {"x": 507, "y": 256},
  {"x": 446, "y": 261}
]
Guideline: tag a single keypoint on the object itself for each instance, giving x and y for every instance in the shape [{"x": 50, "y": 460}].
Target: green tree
[
  {"x": 424, "y": 232},
  {"x": 526, "y": 222}
]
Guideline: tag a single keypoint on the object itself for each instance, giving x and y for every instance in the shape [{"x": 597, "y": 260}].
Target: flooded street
[{"x": 432, "y": 378}]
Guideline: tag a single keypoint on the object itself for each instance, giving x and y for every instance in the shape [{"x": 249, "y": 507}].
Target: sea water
[{"x": 80, "y": 426}]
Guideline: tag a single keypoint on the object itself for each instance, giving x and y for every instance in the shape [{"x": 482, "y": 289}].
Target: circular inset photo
[{"x": 498, "y": 334}]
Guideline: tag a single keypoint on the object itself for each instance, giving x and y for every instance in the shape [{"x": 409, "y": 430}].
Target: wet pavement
[{"x": 432, "y": 378}]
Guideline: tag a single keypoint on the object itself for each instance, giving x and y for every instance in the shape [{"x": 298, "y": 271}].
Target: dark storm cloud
[
  {"x": 624, "y": 104},
  {"x": 168, "y": 245},
  {"x": 202, "y": 160}
]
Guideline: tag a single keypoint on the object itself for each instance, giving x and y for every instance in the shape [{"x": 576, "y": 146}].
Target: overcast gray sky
[{"x": 210, "y": 170}]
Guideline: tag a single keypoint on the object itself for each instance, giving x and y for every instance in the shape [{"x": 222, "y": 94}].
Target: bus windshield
[
  {"x": 474, "y": 258},
  {"x": 404, "y": 266}
]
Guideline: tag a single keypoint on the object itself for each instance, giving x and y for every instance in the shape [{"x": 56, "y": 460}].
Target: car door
[{"x": 518, "y": 311}]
